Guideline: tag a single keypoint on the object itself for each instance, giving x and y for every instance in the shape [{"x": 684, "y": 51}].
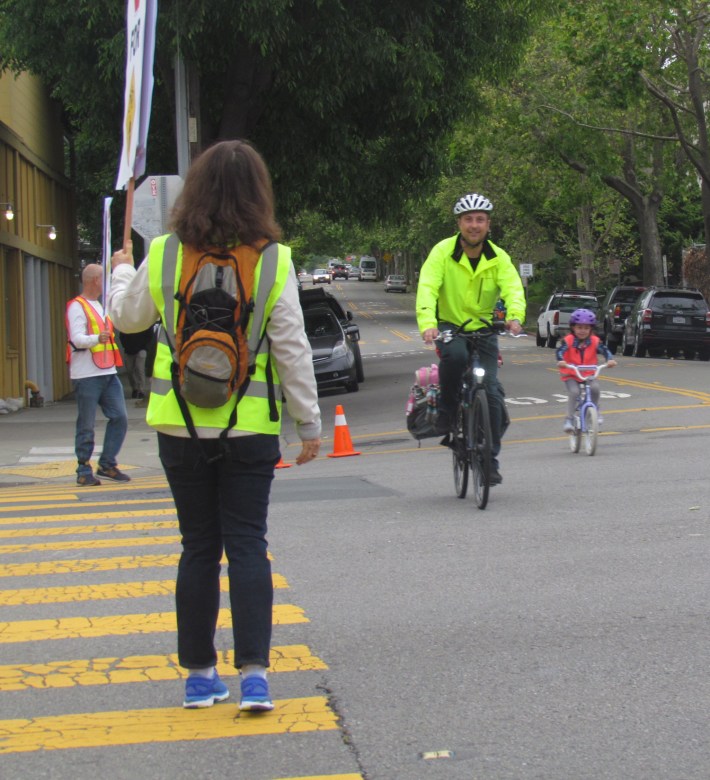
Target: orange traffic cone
[
  {"x": 282, "y": 465},
  {"x": 342, "y": 443}
]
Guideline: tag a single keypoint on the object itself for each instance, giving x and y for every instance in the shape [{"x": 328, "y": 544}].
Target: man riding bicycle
[{"x": 462, "y": 279}]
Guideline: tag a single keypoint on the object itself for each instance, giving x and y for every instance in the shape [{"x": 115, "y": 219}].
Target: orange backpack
[{"x": 215, "y": 301}]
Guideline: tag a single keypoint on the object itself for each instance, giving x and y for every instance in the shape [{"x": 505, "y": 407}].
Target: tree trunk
[
  {"x": 586, "y": 246},
  {"x": 646, "y": 209}
]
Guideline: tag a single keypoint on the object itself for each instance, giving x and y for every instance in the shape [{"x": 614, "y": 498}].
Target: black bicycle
[{"x": 471, "y": 437}]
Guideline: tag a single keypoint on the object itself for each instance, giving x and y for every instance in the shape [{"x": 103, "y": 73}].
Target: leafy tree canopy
[{"x": 350, "y": 103}]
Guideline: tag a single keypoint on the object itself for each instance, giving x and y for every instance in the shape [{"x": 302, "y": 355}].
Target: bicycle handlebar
[
  {"x": 491, "y": 328},
  {"x": 596, "y": 369}
]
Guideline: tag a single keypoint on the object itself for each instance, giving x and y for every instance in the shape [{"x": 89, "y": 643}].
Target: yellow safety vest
[{"x": 254, "y": 413}]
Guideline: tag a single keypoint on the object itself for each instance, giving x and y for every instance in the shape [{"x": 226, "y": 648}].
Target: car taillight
[
  {"x": 707, "y": 319},
  {"x": 556, "y": 318},
  {"x": 647, "y": 315}
]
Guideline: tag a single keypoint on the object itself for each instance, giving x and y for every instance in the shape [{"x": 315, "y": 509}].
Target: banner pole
[{"x": 128, "y": 219}]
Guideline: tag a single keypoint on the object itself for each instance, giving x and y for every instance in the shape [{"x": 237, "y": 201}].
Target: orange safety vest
[
  {"x": 584, "y": 356},
  {"x": 104, "y": 355}
]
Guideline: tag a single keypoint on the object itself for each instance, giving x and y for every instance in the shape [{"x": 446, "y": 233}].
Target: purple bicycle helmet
[{"x": 582, "y": 317}]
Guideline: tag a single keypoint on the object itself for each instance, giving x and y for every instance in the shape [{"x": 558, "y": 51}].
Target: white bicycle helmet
[{"x": 472, "y": 201}]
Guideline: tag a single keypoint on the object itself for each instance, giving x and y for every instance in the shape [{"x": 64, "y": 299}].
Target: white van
[{"x": 368, "y": 269}]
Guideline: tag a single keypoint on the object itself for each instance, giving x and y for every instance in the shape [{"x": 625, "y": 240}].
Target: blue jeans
[
  {"x": 453, "y": 359},
  {"x": 222, "y": 505},
  {"x": 105, "y": 391}
]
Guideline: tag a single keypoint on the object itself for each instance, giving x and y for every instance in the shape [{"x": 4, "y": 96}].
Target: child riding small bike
[{"x": 580, "y": 347}]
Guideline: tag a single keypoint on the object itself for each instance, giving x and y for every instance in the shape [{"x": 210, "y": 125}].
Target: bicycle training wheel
[
  {"x": 480, "y": 439},
  {"x": 591, "y": 417},
  {"x": 460, "y": 455}
]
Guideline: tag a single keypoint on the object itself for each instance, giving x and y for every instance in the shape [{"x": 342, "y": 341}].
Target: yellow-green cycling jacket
[{"x": 451, "y": 291}]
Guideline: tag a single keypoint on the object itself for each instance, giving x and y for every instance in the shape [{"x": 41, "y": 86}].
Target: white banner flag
[{"x": 141, "y": 18}]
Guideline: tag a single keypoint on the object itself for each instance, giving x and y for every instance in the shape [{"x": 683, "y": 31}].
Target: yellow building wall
[
  {"x": 26, "y": 109},
  {"x": 32, "y": 178}
]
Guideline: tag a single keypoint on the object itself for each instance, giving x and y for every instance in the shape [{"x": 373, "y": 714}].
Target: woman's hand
[
  {"x": 309, "y": 451},
  {"x": 123, "y": 256}
]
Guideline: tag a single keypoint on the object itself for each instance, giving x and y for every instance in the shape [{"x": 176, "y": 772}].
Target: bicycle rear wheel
[
  {"x": 591, "y": 417},
  {"x": 479, "y": 437},
  {"x": 460, "y": 454}
]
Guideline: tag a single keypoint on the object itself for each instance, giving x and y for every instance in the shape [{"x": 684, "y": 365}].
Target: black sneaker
[
  {"x": 87, "y": 480},
  {"x": 113, "y": 473},
  {"x": 495, "y": 477}
]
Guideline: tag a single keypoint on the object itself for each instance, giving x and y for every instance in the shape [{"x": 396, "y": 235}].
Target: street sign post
[{"x": 152, "y": 203}]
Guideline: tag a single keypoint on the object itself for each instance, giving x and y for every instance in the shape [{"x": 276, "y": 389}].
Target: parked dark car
[
  {"x": 339, "y": 272},
  {"x": 319, "y": 297},
  {"x": 614, "y": 310},
  {"x": 668, "y": 319},
  {"x": 333, "y": 356}
]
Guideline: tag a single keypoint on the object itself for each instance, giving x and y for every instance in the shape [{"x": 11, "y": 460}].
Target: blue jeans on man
[
  {"x": 453, "y": 359},
  {"x": 104, "y": 391}
]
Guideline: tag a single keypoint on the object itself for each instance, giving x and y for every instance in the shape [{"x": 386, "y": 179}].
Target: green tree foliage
[{"x": 350, "y": 103}]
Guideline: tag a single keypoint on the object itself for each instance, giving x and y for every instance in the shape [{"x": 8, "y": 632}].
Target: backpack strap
[{"x": 267, "y": 279}]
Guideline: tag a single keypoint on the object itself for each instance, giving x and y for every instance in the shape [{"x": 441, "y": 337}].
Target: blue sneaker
[
  {"x": 204, "y": 692},
  {"x": 255, "y": 694}
]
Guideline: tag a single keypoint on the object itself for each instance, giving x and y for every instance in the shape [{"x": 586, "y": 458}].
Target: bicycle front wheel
[
  {"x": 479, "y": 437},
  {"x": 591, "y": 418},
  {"x": 460, "y": 454}
]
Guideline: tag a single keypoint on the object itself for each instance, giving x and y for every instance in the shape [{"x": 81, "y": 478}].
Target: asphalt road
[{"x": 561, "y": 633}]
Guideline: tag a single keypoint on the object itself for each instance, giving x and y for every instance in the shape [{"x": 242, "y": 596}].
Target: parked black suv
[
  {"x": 671, "y": 319},
  {"x": 615, "y": 309},
  {"x": 318, "y": 297}
]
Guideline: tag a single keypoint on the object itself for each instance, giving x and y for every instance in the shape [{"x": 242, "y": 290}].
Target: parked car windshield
[
  {"x": 569, "y": 304},
  {"x": 678, "y": 301}
]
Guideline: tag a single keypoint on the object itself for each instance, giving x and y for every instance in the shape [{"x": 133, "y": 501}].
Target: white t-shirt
[{"x": 82, "y": 364}]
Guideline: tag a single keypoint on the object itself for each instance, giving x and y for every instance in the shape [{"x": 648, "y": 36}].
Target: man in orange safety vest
[{"x": 93, "y": 355}]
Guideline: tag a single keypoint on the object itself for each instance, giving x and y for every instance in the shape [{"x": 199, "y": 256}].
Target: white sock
[
  {"x": 251, "y": 670},
  {"x": 207, "y": 672}
]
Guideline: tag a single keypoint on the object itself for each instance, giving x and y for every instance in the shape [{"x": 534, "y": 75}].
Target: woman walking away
[{"x": 219, "y": 461}]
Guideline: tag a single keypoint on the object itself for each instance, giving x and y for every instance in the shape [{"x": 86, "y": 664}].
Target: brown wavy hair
[{"x": 227, "y": 199}]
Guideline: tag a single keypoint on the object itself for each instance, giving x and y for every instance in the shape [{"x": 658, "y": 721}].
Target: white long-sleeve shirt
[{"x": 132, "y": 309}]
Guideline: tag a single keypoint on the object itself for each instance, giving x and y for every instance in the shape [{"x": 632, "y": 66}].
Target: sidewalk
[{"x": 37, "y": 445}]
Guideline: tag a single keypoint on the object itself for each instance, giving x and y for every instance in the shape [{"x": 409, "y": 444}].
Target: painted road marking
[
  {"x": 120, "y": 625},
  {"x": 71, "y": 530},
  {"x": 139, "y": 668},
  {"x": 94, "y": 544},
  {"x": 84, "y": 504},
  {"x": 113, "y": 590},
  {"x": 119, "y": 563},
  {"x": 172, "y": 724},
  {"x": 350, "y": 776},
  {"x": 122, "y": 515}
]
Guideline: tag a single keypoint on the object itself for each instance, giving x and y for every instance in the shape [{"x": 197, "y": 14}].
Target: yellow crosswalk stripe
[
  {"x": 111, "y": 590},
  {"x": 77, "y": 566},
  {"x": 122, "y": 515},
  {"x": 94, "y": 544},
  {"x": 349, "y": 776},
  {"x": 133, "y": 727},
  {"x": 83, "y": 504},
  {"x": 118, "y": 563},
  {"x": 69, "y": 530},
  {"x": 120, "y": 625},
  {"x": 138, "y": 668}
]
